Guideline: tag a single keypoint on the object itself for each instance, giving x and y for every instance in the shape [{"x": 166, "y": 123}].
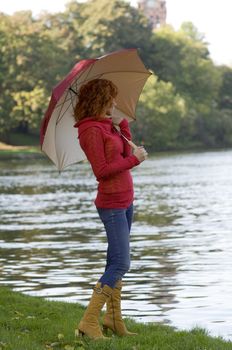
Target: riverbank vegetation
[
  {"x": 187, "y": 103},
  {"x": 28, "y": 323}
]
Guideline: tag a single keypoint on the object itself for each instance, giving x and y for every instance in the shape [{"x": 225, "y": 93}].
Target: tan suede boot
[
  {"x": 113, "y": 317},
  {"x": 89, "y": 324}
]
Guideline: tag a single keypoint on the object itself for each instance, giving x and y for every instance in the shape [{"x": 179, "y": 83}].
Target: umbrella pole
[{"x": 132, "y": 144}]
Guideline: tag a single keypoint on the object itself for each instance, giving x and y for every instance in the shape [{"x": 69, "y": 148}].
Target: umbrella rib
[
  {"x": 91, "y": 67},
  {"x": 61, "y": 116},
  {"x": 86, "y": 79},
  {"x": 72, "y": 91},
  {"x": 62, "y": 104},
  {"x": 70, "y": 87},
  {"x": 101, "y": 74},
  {"x": 83, "y": 73},
  {"x": 126, "y": 71},
  {"x": 72, "y": 100},
  {"x": 94, "y": 77},
  {"x": 66, "y": 100}
]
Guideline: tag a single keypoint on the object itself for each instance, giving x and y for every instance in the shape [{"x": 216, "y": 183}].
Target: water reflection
[{"x": 52, "y": 242}]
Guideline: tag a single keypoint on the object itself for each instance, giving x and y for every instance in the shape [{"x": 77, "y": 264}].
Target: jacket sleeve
[
  {"x": 92, "y": 143},
  {"x": 125, "y": 130}
]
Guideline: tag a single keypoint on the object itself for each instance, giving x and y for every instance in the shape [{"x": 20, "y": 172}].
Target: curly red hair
[{"x": 94, "y": 97}]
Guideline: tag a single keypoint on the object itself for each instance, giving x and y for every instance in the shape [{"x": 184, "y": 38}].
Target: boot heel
[{"x": 79, "y": 333}]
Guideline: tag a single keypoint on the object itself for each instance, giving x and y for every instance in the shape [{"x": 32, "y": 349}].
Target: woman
[{"x": 111, "y": 158}]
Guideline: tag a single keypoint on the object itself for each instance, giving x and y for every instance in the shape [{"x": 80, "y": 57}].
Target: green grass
[
  {"x": 15, "y": 150},
  {"x": 33, "y": 323}
]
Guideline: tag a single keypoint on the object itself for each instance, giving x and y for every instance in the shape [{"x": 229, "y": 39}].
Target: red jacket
[{"x": 111, "y": 158}]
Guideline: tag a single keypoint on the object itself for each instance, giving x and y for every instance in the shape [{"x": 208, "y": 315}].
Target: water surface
[{"x": 53, "y": 244}]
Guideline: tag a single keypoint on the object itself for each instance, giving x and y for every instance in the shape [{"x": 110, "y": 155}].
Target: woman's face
[{"x": 110, "y": 108}]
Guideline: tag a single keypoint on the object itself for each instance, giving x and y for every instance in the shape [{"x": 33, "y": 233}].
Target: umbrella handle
[{"x": 132, "y": 144}]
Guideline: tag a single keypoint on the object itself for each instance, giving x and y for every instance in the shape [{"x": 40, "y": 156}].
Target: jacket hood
[{"x": 88, "y": 122}]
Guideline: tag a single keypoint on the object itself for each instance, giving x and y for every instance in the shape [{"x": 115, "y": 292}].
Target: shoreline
[
  {"x": 4, "y": 147},
  {"x": 19, "y": 152},
  {"x": 34, "y": 323},
  {"x": 13, "y": 151}
]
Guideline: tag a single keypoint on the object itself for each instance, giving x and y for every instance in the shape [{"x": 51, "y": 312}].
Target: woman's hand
[{"x": 140, "y": 153}]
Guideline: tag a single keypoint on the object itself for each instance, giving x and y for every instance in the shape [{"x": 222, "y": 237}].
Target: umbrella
[{"x": 58, "y": 137}]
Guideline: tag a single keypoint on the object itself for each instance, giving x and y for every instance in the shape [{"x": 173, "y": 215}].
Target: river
[{"x": 52, "y": 243}]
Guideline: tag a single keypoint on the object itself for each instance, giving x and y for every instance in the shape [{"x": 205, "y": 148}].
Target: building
[{"x": 155, "y": 10}]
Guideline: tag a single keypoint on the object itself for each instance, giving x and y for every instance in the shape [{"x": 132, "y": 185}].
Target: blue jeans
[{"x": 117, "y": 224}]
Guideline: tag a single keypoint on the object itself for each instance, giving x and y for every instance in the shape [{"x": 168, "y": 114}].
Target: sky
[{"x": 211, "y": 17}]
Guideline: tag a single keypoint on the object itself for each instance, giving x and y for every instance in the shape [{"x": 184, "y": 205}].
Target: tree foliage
[
  {"x": 182, "y": 58},
  {"x": 187, "y": 102},
  {"x": 160, "y": 112},
  {"x": 28, "y": 71},
  {"x": 114, "y": 25}
]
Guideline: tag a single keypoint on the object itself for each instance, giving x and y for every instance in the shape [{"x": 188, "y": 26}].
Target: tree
[
  {"x": 30, "y": 65},
  {"x": 160, "y": 112},
  {"x": 225, "y": 92},
  {"x": 63, "y": 28},
  {"x": 188, "y": 101},
  {"x": 182, "y": 58},
  {"x": 113, "y": 25},
  {"x": 28, "y": 108}
]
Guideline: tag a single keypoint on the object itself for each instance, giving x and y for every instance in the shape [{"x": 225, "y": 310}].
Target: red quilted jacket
[{"x": 111, "y": 158}]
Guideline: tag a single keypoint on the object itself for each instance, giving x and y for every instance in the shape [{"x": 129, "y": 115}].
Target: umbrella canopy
[{"x": 58, "y": 137}]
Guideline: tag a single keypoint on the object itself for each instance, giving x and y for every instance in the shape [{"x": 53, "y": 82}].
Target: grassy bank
[
  {"x": 33, "y": 323},
  {"x": 11, "y": 151},
  {"x": 20, "y": 145},
  {"x": 4, "y": 148}
]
